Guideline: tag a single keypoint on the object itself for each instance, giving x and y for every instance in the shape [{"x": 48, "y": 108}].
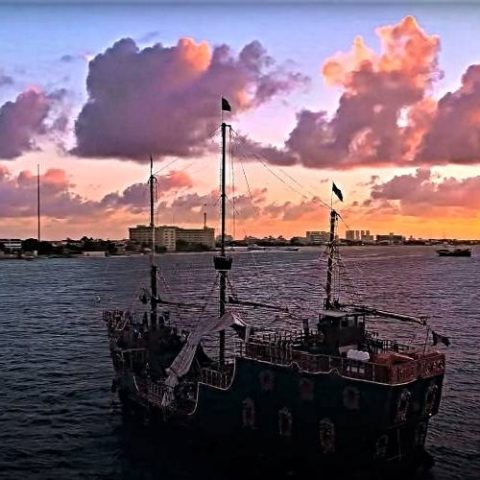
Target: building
[
  {"x": 11, "y": 244},
  {"x": 390, "y": 239},
  {"x": 350, "y": 235},
  {"x": 366, "y": 237},
  {"x": 166, "y": 236},
  {"x": 317, "y": 237},
  {"x": 204, "y": 236}
]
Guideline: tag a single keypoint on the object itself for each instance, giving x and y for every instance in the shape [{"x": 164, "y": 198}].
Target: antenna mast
[
  {"x": 38, "y": 202},
  {"x": 153, "y": 266}
]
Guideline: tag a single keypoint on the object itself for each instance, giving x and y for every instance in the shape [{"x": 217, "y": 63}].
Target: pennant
[
  {"x": 440, "y": 338},
  {"x": 226, "y": 106},
  {"x": 337, "y": 192}
]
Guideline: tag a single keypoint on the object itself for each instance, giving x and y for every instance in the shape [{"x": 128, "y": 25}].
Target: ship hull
[{"x": 305, "y": 420}]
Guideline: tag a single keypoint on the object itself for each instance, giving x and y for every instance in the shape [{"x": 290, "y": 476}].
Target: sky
[{"x": 382, "y": 98}]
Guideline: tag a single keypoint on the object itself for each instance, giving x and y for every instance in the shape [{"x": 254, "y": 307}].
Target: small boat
[
  {"x": 454, "y": 252},
  {"x": 254, "y": 246},
  {"x": 292, "y": 249}
]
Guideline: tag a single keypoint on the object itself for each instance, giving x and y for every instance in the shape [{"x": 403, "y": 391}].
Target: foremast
[{"x": 222, "y": 263}]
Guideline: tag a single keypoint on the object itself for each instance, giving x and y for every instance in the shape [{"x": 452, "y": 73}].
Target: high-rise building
[
  {"x": 204, "y": 236},
  {"x": 167, "y": 236},
  {"x": 350, "y": 235},
  {"x": 317, "y": 237}
]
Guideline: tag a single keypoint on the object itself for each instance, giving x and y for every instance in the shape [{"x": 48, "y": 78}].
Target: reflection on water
[{"x": 57, "y": 418}]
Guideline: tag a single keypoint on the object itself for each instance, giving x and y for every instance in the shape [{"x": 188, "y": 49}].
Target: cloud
[
  {"x": 165, "y": 100},
  {"x": 68, "y": 58},
  {"x": 5, "y": 79},
  {"x": 454, "y": 133},
  {"x": 18, "y": 195},
  {"x": 423, "y": 194},
  {"x": 309, "y": 209},
  {"x": 136, "y": 197},
  {"x": 384, "y": 110},
  {"x": 32, "y": 114}
]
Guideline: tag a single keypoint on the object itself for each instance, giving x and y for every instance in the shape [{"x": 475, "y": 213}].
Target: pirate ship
[{"x": 329, "y": 392}]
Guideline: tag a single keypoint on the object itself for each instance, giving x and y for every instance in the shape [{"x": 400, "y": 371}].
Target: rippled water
[{"x": 57, "y": 419}]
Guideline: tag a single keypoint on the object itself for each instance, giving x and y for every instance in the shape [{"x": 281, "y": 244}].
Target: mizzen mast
[
  {"x": 153, "y": 267},
  {"x": 331, "y": 257}
]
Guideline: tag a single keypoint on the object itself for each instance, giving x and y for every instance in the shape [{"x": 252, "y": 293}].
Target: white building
[
  {"x": 317, "y": 237},
  {"x": 11, "y": 244},
  {"x": 167, "y": 236}
]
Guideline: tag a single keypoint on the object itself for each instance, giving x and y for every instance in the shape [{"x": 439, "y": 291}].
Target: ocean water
[{"x": 59, "y": 420}]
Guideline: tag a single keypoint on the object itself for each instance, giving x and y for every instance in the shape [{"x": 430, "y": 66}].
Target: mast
[
  {"x": 331, "y": 255},
  {"x": 153, "y": 266},
  {"x": 38, "y": 202},
  {"x": 223, "y": 273},
  {"x": 222, "y": 263}
]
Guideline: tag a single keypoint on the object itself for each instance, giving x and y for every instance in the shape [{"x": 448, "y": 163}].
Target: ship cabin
[{"x": 341, "y": 330}]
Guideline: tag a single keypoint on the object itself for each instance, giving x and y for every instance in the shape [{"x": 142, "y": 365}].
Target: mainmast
[
  {"x": 153, "y": 266},
  {"x": 222, "y": 262},
  {"x": 331, "y": 257}
]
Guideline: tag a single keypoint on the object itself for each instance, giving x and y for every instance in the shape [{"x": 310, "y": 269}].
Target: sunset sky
[{"x": 383, "y": 99}]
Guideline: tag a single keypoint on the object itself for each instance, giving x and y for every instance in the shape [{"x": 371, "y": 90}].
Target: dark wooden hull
[{"x": 307, "y": 420}]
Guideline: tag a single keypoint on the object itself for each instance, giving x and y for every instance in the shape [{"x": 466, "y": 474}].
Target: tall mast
[
  {"x": 223, "y": 273},
  {"x": 153, "y": 266},
  {"x": 221, "y": 262},
  {"x": 38, "y": 202},
  {"x": 331, "y": 255}
]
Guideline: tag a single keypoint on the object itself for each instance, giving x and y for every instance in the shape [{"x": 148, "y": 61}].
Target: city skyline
[{"x": 370, "y": 106}]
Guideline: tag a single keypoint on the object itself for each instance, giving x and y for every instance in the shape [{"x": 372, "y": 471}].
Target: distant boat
[
  {"x": 454, "y": 252},
  {"x": 292, "y": 249},
  {"x": 254, "y": 246}
]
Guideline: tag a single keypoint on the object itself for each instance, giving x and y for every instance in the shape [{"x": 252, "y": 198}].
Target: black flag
[
  {"x": 440, "y": 338},
  {"x": 226, "y": 106},
  {"x": 337, "y": 192}
]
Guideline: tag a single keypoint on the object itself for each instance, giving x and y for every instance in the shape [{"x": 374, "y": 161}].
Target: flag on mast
[
  {"x": 337, "y": 192},
  {"x": 440, "y": 338},
  {"x": 226, "y": 106}
]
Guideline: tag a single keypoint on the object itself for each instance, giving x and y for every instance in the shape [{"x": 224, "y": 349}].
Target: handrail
[
  {"x": 215, "y": 378},
  {"x": 317, "y": 363}
]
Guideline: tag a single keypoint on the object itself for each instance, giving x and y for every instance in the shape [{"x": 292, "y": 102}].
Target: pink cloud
[
  {"x": 166, "y": 100},
  {"x": 422, "y": 194},
  {"x": 454, "y": 134},
  {"x": 136, "y": 197},
  {"x": 32, "y": 114},
  {"x": 18, "y": 195}
]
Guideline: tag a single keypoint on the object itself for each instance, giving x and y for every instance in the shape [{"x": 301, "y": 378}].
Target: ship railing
[
  {"x": 217, "y": 378},
  {"x": 150, "y": 391},
  {"x": 285, "y": 336},
  {"x": 280, "y": 354},
  {"x": 378, "y": 345},
  {"x": 316, "y": 363}
]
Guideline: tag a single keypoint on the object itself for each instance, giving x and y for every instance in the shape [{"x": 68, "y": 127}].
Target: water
[{"x": 57, "y": 419}]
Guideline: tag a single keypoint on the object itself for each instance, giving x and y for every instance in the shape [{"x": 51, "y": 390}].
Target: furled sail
[{"x": 183, "y": 361}]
